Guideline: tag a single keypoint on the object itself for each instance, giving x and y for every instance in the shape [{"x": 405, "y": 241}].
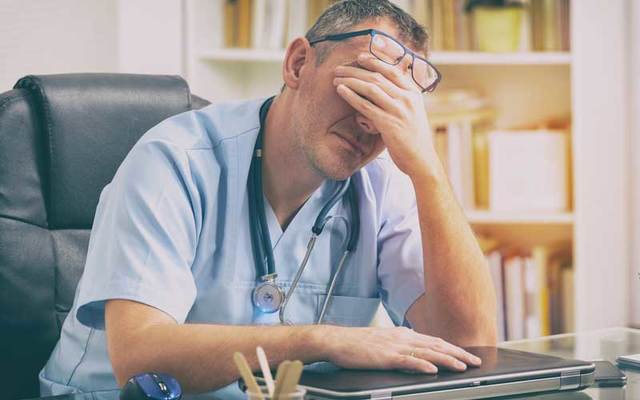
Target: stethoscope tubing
[{"x": 260, "y": 237}]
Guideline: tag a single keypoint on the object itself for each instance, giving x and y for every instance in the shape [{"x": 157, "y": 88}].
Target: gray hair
[{"x": 344, "y": 14}]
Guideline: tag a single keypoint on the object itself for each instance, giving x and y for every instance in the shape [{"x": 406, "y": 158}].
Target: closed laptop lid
[{"x": 498, "y": 366}]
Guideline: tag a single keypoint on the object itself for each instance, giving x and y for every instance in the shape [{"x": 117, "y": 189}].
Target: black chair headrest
[{"x": 82, "y": 113}]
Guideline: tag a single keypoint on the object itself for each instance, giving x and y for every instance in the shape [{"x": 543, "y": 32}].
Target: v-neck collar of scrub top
[{"x": 304, "y": 218}]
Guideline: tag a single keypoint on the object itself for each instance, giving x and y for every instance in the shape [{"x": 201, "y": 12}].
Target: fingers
[
  {"x": 412, "y": 363},
  {"x": 435, "y": 351},
  {"x": 377, "y": 78},
  {"x": 393, "y": 73},
  {"x": 372, "y": 92},
  {"x": 400, "y": 349},
  {"x": 440, "y": 359},
  {"x": 458, "y": 353},
  {"x": 387, "y": 86},
  {"x": 442, "y": 346},
  {"x": 360, "y": 104}
]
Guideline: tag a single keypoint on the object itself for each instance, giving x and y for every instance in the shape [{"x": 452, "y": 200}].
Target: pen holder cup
[{"x": 297, "y": 394}]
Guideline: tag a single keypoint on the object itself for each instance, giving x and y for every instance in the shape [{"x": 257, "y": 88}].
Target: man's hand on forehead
[
  {"x": 395, "y": 73},
  {"x": 388, "y": 96}
]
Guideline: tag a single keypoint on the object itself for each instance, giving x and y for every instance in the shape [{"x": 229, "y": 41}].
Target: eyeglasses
[{"x": 387, "y": 49}]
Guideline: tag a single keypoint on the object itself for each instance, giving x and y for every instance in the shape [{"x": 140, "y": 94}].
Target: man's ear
[{"x": 299, "y": 55}]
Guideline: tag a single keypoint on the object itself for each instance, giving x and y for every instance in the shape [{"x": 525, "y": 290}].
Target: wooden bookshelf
[
  {"x": 524, "y": 87},
  {"x": 524, "y": 230}
]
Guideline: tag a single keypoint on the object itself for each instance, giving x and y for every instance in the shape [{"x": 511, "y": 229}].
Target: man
[{"x": 171, "y": 272}]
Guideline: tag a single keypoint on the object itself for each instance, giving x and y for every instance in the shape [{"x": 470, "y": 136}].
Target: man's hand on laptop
[{"x": 391, "y": 348}]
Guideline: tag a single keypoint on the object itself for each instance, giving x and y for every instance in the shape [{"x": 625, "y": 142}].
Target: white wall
[
  {"x": 45, "y": 37},
  {"x": 599, "y": 47},
  {"x": 634, "y": 106},
  {"x": 61, "y": 36},
  {"x": 150, "y": 36}
]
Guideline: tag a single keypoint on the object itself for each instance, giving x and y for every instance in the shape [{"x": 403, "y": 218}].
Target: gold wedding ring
[{"x": 412, "y": 354}]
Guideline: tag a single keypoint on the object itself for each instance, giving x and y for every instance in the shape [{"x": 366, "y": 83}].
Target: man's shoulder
[{"x": 209, "y": 127}]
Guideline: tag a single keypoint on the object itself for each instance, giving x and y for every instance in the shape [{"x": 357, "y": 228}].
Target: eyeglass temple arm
[{"x": 341, "y": 36}]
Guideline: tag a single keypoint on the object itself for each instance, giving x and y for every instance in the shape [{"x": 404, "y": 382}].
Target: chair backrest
[{"x": 62, "y": 137}]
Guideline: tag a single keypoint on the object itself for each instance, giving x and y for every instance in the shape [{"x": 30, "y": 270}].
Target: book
[
  {"x": 437, "y": 32},
  {"x": 297, "y": 23},
  {"x": 568, "y": 302},
  {"x": 565, "y": 25},
  {"x": 528, "y": 171},
  {"x": 532, "y": 289},
  {"x": 514, "y": 289},
  {"x": 550, "y": 25},
  {"x": 230, "y": 16},
  {"x": 276, "y": 17},
  {"x": 315, "y": 9},
  {"x": 237, "y": 23},
  {"x": 526, "y": 31},
  {"x": 448, "y": 25},
  {"x": 460, "y": 115},
  {"x": 540, "y": 257},
  {"x": 244, "y": 23},
  {"x": 462, "y": 26},
  {"x": 494, "y": 260},
  {"x": 466, "y": 150},
  {"x": 550, "y": 28},
  {"x": 217, "y": 38},
  {"x": 259, "y": 24},
  {"x": 421, "y": 11},
  {"x": 481, "y": 169},
  {"x": 554, "y": 280}
]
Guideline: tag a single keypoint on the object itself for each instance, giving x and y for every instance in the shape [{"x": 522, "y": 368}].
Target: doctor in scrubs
[{"x": 171, "y": 270}]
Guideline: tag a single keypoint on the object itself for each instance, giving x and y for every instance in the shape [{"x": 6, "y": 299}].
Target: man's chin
[
  {"x": 337, "y": 171},
  {"x": 340, "y": 176},
  {"x": 336, "y": 164}
]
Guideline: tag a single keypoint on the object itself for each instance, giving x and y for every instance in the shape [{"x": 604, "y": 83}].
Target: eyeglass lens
[{"x": 391, "y": 52}]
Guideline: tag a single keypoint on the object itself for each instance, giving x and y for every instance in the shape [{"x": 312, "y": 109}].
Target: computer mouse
[{"x": 151, "y": 386}]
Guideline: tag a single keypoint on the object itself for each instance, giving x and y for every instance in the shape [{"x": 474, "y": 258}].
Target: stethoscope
[{"x": 268, "y": 297}]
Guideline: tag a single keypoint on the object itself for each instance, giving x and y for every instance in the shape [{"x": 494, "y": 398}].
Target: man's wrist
[
  {"x": 314, "y": 344},
  {"x": 430, "y": 174}
]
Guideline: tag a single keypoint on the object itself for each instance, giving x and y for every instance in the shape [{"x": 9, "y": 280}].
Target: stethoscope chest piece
[{"x": 267, "y": 296}]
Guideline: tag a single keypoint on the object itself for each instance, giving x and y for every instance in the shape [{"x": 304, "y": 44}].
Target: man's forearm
[
  {"x": 141, "y": 338},
  {"x": 201, "y": 356},
  {"x": 459, "y": 303}
]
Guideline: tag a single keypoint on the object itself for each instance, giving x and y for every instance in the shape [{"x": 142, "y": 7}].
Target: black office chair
[{"x": 62, "y": 137}]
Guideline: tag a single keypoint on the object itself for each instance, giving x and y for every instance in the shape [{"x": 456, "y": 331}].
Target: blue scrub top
[{"x": 172, "y": 231}]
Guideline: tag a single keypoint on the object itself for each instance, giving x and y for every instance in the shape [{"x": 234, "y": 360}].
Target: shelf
[
  {"x": 442, "y": 58},
  {"x": 524, "y": 230},
  {"x": 507, "y": 218}
]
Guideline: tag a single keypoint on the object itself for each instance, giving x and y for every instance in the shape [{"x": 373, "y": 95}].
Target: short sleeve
[
  {"x": 400, "y": 260},
  {"x": 144, "y": 236}
]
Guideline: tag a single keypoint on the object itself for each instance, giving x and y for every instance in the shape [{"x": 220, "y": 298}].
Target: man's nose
[{"x": 365, "y": 124}]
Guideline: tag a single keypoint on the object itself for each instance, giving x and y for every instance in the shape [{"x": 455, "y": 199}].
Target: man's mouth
[{"x": 355, "y": 146}]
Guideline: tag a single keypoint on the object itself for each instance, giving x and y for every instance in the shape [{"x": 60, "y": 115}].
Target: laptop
[{"x": 503, "y": 372}]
